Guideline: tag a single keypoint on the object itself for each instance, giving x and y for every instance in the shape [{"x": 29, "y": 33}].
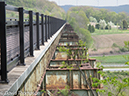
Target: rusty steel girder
[
  {"x": 58, "y": 76},
  {"x": 61, "y": 77}
]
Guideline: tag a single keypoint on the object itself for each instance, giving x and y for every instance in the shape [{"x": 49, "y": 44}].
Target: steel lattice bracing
[{"x": 58, "y": 77}]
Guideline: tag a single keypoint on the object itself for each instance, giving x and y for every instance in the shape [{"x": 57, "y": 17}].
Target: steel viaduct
[{"x": 30, "y": 62}]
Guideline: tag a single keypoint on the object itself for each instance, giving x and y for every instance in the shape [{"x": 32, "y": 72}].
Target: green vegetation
[
  {"x": 112, "y": 31},
  {"x": 115, "y": 59},
  {"x": 121, "y": 48},
  {"x": 125, "y": 25},
  {"x": 63, "y": 92},
  {"x": 91, "y": 28},
  {"x": 43, "y": 6},
  {"x": 103, "y": 14},
  {"x": 115, "y": 83},
  {"x": 79, "y": 21},
  {"x": 80, "y": 16}
]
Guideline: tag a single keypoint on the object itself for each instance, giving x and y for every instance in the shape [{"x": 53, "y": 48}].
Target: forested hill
[
  {"x": 117, "y": 9},
  {"x": 66, "y": 7},
  {"x": 43, "y": 6}
]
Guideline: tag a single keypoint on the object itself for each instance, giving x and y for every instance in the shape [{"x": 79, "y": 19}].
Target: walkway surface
[{"x": 18, "y": 74}]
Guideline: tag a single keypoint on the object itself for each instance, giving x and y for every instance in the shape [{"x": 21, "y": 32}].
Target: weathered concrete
[{"x": 25, "y": 79}]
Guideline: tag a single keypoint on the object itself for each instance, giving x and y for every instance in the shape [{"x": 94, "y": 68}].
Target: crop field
[
  {"x": 112, "y": 31},
  {"x": 103, "y": 44},
  {"x": 114, "y": 59}
]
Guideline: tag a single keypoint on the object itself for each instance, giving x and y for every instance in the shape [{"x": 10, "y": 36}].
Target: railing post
[
  {"x": 37, "y": 29},
  {"x": 21, "y": 29},
  {"x": 3, "y": 48},
  {"x": 42, "y": 28},
  {"x": 53, "y": 25},
  {"x": 50, "y": 26},
  {"x": 31, "y": 32},
  {"x": 56, "y": 24},
  {"x": 46, "y": 28}
]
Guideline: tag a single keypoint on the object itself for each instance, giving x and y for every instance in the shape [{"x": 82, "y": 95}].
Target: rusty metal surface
[
  {"x": 55, "y": 80},
  {"x": 68, "y": 40},
  {"x": 67, "y": 43},
  {"x": 60, "y": 78},
  {"x": 68, "y": 27},
  {"x": 85, "y": 93},
  {"x": 78, "y": 53},
  {"x": 55, "y": 62},
  {"x": 76, "y": 92},
  {"x": 71, "y": 46},
  {"x": 86, "y": 65}
]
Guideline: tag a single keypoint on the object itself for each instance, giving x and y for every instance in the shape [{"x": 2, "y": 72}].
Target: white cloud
[{"x": 91, "y": 2}]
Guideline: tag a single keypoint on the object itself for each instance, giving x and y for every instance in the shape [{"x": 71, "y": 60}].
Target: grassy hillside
[{"x": 43, "y": 6}]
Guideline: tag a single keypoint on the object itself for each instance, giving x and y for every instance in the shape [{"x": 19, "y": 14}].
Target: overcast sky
[{"x": 92, "y": 2}]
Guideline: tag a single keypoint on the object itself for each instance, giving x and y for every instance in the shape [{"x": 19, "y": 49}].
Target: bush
[
  {"x": 97, "y": 26},
  {"x": 92, "y": 29},
  {"x": 123, "y": 49},
  {"x": 125, "y": 25},
  {"x": 114, "y": 45},
  {"x": 108, "y": 27},
  {"x": 89, "y": 27},
  {"x": 94, "y": 49},
  {"x": 111, "y": 52}
]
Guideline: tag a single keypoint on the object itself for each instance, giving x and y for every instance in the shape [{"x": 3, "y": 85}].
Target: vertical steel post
[
  {"x": 52, "y": 24},
  {"x": 3, "y": 43},
  {"x": 42, "y": 28},
  {"x": 31, "y": 32},
  {"x": 46, "y": 28},
  {"x": 37, "y": 29},
  {"x": 21, "y": 29},
  {"x": 56, "y": 25},
  {"x": 50, "y": 27}
]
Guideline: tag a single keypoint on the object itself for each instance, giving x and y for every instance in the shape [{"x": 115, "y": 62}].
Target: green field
[
  {"x": 115, "y": 59},
  {"x": 112, "y": 31}
]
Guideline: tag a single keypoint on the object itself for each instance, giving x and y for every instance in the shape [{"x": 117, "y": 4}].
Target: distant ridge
[
  {"x": 66, "y": 7},
  {"x": 117, "y": 9}
]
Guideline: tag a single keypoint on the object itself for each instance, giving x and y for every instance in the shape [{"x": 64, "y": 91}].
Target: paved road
[
  {"x": 116, "y": 69},
  {"x": 114, "y": 65}
]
